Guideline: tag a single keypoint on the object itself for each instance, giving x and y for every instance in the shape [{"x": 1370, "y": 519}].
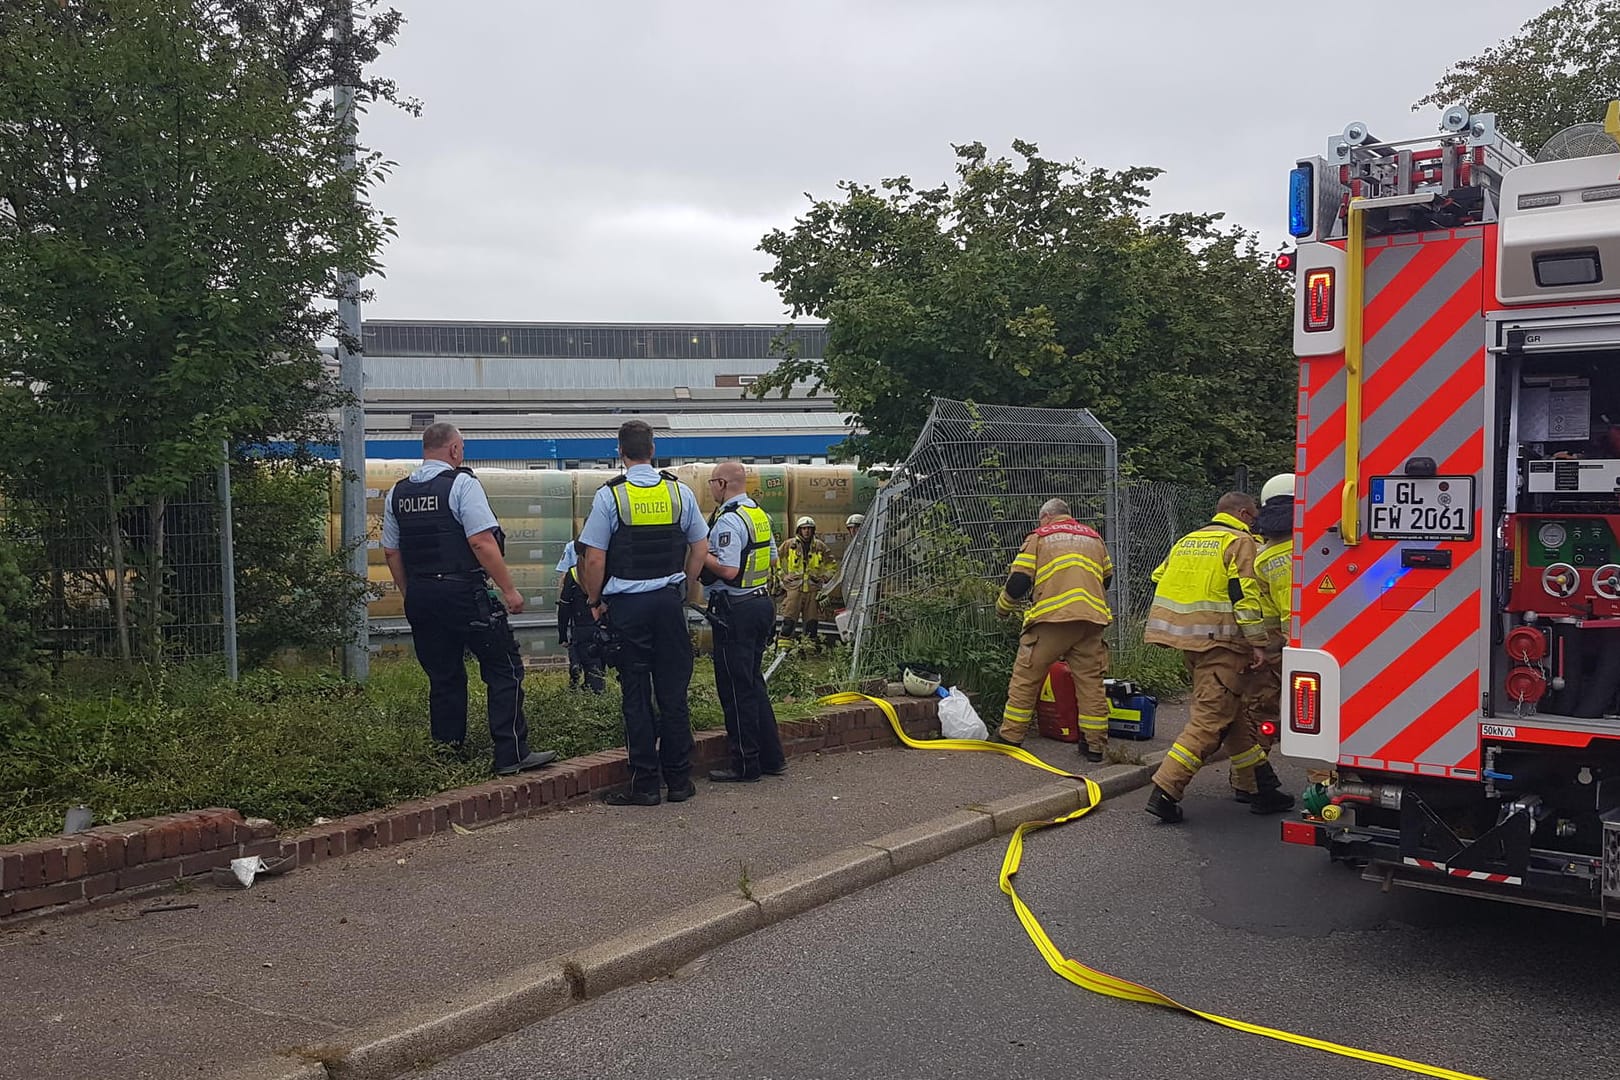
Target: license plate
[{"x": 1420, "y": 508}]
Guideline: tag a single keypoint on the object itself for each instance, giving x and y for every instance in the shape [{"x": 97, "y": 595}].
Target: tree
[
  {"x": 1561, "y": 68},
  {"x": 1042, "y": 283},
  {"x": 174, "y": 216}
]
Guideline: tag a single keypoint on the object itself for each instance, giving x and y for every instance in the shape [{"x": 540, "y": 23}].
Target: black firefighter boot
[
  {"x": 1163, "y": 807},
  {"x": 1270, "y": 799}
]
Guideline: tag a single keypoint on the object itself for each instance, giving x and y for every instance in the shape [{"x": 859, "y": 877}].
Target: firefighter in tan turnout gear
[
  {"x": 1207, "y": 604},
  {"x": 1063, "y": 570},
  {"x": 806, "y": 566},
  {"x": 1274, "y": 567}
]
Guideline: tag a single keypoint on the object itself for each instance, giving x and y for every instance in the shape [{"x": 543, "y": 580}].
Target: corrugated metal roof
[
  {"x": 759, "y": 421},
  {"x": 507, "y": 372}
]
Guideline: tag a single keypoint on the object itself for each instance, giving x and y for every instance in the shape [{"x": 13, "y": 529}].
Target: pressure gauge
[{"x": 1552, "y": 536}]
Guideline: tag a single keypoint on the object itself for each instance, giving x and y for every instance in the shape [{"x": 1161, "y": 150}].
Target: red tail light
[
  {"x": 1319, "y": 300},
  {"x": 1268, "y": 729},
  {"x": 1305, "y": 703}
]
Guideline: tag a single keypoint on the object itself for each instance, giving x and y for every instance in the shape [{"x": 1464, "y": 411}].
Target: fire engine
[{"x": 1453, "y": 661}]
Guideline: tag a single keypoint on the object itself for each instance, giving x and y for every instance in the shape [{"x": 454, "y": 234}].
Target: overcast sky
[{"x": 620, "y": 161}]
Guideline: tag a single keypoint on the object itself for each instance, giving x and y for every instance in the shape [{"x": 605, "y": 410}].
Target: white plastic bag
[{"x": 957, "y": 720}]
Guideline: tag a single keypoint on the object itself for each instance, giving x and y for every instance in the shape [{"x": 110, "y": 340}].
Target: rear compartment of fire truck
[{"x": 1541, "y": 822}]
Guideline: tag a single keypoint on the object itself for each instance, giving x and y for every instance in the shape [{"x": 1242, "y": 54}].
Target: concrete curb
[{"x": 408, "y": 1042}]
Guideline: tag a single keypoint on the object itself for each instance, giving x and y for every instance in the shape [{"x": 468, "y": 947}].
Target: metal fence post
[
  {"x": 1117, "y": 509},
  {"x": 227, "y": 562},
  {"x": 357, "y": 654}
]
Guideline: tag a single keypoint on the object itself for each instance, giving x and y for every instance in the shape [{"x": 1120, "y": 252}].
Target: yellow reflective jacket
[
  {"x": 1207, "y": 595},
  {"x": 1063, "y": 570},
  {"x": 805, "y": 567},
  {"x": 1274, "y": 566}
]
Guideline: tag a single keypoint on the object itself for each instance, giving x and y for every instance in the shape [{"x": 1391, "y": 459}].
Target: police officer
[
  {"x": 737, "y": 572},
  {"x": 575, "y": 626},
  {"x": 640, "y": 554},
  {"x": 1206, "y": 603},
  {"x": 444, "y": 547}
]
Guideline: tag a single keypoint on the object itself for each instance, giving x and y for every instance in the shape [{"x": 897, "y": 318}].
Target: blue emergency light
[{"x": 1301, "y": 208}]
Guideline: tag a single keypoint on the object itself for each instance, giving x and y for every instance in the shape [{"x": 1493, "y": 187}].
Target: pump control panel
[{"x": 1565, "y": 565}]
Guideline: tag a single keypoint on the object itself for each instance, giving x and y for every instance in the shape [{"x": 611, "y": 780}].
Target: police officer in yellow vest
[
  {"x": 1274, "y": 566},
  {"x": 1207, "y": 604},
  {"x": 640, "y": 554},
  {"x": 575, "y": 626},
  {"x": 737, "y": 573}
]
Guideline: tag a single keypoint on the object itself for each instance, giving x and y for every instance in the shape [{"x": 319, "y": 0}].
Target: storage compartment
[{"x": 1557, "y": 580}]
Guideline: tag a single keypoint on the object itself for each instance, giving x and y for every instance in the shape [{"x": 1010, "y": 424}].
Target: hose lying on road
[{"x": 1089, "y": 978}]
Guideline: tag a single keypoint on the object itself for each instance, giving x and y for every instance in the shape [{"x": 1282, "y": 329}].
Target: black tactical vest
[{"x": 431, "y": 540}]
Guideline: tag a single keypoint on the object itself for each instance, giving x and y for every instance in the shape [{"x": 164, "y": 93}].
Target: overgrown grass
[
  {"x": 1159, "y": 671},
  {"x": 289, "y": 747}
]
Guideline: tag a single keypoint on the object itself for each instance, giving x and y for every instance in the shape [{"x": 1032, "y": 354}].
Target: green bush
[
  {"x": 17, "y": 611},
  {"x": 291, "y": 591},
  {"x": 287, "y": 747}
]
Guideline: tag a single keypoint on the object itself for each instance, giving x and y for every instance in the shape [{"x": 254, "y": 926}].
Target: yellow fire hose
[{"x": 1089, "y": 978}]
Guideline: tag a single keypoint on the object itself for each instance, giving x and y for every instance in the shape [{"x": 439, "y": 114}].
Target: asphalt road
[{"x": 929, "y": 976}]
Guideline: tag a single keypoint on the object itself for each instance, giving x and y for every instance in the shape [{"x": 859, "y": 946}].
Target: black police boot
[
  {"x": 535, "y": 760},
  {"x": 681, "y": 794},
  {"x": 1163, "y": 807},
  {"x": 733, "y": 776}
]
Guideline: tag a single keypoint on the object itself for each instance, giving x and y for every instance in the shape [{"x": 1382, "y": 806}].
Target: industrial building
[{"x": 552, "y": 395}]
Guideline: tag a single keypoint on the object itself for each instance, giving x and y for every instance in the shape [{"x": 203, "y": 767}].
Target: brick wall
[{"x": 97, "y": 865}]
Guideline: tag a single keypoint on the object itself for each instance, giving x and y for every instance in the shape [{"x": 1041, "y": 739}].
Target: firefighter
[
  {"x": 1274, "y": 567},
  {"x": 852, "y": 525},
  {"x": 1207, "y": 604},
  {"x": 444, "y": 548},
  {"x": 806, "y": 566},
  {"x": 640, "y": 554},
  {"x": 737, "y": 572},
  {"x": 1064, "y": 570}
]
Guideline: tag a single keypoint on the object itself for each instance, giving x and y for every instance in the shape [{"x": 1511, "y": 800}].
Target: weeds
[{"x": 287, "y": 747}]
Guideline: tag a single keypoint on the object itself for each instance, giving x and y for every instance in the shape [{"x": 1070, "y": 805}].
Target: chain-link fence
[
  {"x": 121, "y": 570},
  {"x": 921, "y": 577},
  {"x": 1156, "y": 515}
]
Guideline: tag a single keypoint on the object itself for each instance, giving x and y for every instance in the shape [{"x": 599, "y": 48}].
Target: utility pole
[{"x": 351, "y": 371}]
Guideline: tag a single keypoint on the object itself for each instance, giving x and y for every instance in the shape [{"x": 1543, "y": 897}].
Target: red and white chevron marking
[{"x": 1471, "y": 875}]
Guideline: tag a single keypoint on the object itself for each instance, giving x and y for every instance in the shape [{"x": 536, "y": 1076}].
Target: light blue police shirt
[
  {"x": 603, "y": 522},
  {"x": 569, "y": 560},
  {"x": 468, "y": 504},
  {"x": 727, "y": 540}
]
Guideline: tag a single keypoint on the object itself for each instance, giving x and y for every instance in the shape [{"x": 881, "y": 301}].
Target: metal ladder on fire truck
[{"x": 1409, "y": 186}]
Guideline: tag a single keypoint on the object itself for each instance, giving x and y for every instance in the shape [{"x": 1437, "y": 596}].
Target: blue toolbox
[{"x": 1130, "y": 712}]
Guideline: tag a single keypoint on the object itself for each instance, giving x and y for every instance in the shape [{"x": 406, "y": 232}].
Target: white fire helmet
[
  {"x": 1281, "y": 484},
  {"x": 854, "y": 521},
  {"x": 807, "y": 520}
]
